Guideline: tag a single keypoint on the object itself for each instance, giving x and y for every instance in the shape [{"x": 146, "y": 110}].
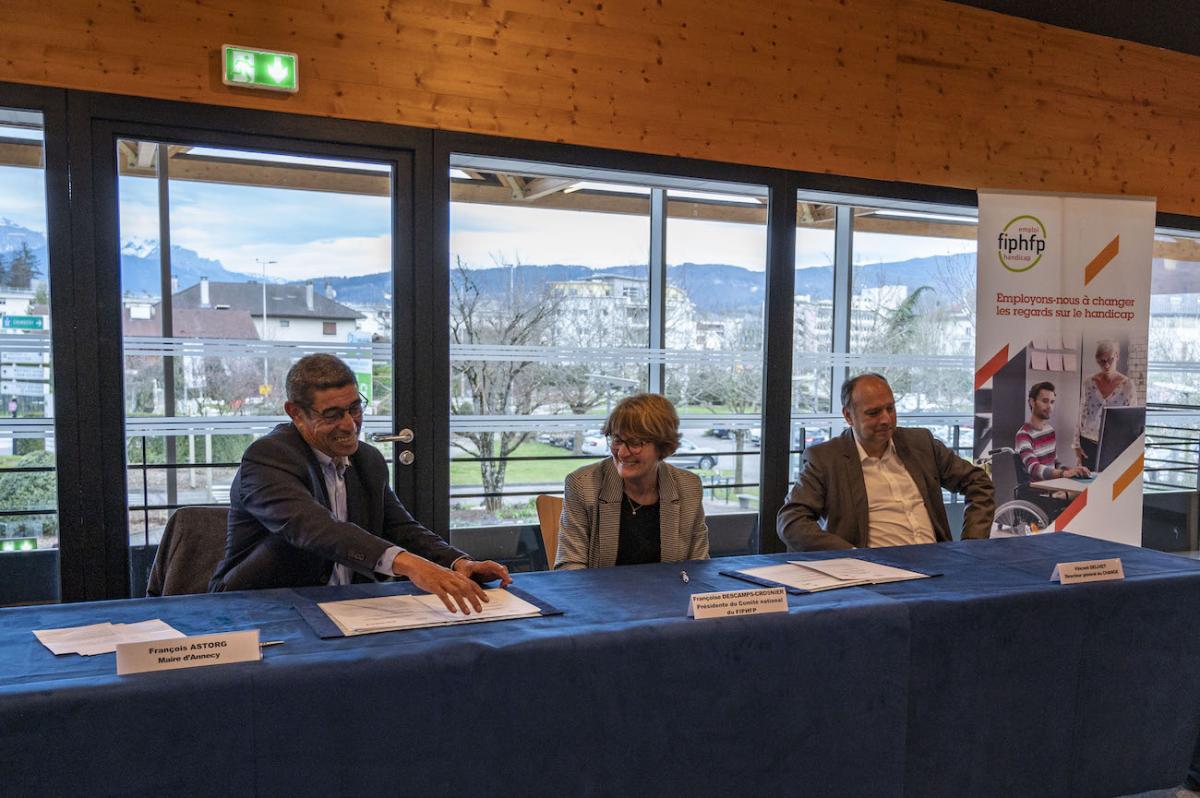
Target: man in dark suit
[
  {"x": 309, "y": 506},
  {"x": 880, "y": 485}
]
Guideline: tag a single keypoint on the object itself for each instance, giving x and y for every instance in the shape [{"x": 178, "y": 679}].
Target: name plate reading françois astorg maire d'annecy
[{"x": 188, "y": 652}]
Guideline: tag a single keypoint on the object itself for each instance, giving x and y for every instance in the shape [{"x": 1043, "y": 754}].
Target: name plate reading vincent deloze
[
  {"x": 1072, "y": 573},
  {"x": 188, "y": 652},
  {"x": 737, "y": 602}
]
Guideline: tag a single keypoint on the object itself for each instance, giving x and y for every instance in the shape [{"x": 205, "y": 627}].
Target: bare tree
[
  {"x": 496, "y": 387},
  {"x": 957, "y": 280},
  {"x": 225, "y": 381},
  {"x": 737, "y": 387}
]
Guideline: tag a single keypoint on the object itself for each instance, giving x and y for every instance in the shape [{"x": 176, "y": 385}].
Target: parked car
[
  {"x": 594, "y": 443},
  {"x": 811, "y": 436},
  {"x": 689, "y": 455},
  {"x": 721, "y": 430},
  {"x": 563, "y": 440}
]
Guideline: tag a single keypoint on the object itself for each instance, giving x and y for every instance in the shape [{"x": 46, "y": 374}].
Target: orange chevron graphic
[
  {"x": 1068, "y": 515},
  {"x": 989, "y": 369},
  {"x": 1102, "y": 259},
  {"x": 1128, "y": 477}
]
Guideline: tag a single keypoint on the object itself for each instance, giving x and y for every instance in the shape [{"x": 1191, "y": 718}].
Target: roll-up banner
[{"x": 1060, "y": 360}]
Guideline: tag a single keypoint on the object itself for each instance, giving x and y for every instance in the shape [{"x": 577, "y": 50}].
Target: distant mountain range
[
  {"x": 141, "y": 270},
  {"x": 714, "y": 288}
]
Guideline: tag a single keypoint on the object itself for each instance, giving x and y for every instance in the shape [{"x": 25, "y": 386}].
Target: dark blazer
[
  {"x": 282, "y": 532},
  {"x": 827, "y": 507},
  {"x": 590, "y": 527}
]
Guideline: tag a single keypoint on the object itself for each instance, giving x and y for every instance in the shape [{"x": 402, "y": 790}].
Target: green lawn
[
  {"x": 545, "y": 472},
  {"x": 464, "y": 473}
]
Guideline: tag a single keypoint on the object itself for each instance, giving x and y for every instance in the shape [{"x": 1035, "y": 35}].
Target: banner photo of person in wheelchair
[{"x": 1063, "y": 307}]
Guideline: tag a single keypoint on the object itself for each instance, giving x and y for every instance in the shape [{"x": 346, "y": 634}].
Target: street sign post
[
  {"x": 24, "y": 323},
  {"x": 20, "y": 388},
  {"x": 23, "y": 373},
  {"x": 249, "y": 68}
]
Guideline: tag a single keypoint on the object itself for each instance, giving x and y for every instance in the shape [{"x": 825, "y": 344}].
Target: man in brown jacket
[{"x": 880, "y": 485}]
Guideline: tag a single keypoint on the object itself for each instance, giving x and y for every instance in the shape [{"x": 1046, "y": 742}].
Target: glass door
[{"x": 235, "y": 261}]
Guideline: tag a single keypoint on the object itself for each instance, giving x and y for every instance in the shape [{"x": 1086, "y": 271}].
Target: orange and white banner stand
[{"x": 1064, "y": 299}]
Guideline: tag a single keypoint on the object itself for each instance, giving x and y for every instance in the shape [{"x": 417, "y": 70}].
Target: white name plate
[
  {"x": 737, "y": 602},
  {"x": 188, "y": 652},
  {"x": 1072, "y": 573}
]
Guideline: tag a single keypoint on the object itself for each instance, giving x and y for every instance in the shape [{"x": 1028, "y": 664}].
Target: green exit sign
[{"x": 260, "y": 69}]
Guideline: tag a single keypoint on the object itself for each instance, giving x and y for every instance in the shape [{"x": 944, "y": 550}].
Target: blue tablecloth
[{"x": 987, "y": 680}]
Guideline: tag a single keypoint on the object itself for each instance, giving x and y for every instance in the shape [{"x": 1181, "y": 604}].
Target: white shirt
[
  {"x": 334, "y": 472},
  {"x": 896, "y": 513}
]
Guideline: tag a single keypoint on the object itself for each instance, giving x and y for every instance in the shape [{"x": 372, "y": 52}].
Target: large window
[
  {"x": 569, "y": 292},
  {"x": 28, "y": 492}
]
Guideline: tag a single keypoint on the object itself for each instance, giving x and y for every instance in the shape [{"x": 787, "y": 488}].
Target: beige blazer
[{"x": 590, "y": 525}]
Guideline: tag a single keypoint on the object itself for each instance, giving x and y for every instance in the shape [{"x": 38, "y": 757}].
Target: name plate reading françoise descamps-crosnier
[
  {"x": 1073, "y": 573},
  {"x": 737, "y": 602},
  {"x": 188, "y": 652}
]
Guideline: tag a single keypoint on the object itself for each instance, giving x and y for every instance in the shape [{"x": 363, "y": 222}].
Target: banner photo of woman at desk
[{"x": 1106, "y": 388}]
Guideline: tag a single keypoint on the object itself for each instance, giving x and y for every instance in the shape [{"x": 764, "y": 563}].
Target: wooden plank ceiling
[{"x": 921, "y": 91}]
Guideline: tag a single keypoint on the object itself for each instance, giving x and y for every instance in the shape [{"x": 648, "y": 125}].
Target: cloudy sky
[
  {"x": 314, "y": 234},
  {"x": 23, "y": 197}
]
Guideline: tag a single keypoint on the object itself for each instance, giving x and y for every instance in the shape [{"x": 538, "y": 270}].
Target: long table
[{"x": 986, "y": 680}]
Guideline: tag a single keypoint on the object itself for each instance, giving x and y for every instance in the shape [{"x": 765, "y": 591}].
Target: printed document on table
[
  {"x": 102, "y": 638},
  {"x": 390, "y": 613},
  {"x": 799, "y": 578},
  {"x": 849, "y": 569}
]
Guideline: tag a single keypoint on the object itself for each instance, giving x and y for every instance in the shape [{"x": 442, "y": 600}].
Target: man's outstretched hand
[
  {"x": 457, "y": 592},
  {"x": 485, "y": 571}
]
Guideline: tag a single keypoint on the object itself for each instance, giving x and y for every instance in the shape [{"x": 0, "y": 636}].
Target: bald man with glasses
[{"x": 310, "y": 506}]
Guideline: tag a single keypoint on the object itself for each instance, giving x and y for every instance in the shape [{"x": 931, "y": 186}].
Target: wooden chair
[{"x": 549, "y": 510}]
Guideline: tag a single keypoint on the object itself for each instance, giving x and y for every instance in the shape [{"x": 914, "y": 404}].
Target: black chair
[
  {"x": 730, "y": 535},
  {"x": 191, "y": 547}
]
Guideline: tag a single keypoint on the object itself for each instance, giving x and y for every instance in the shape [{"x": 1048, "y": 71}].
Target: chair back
[
  {"x": 191, "y": 547},
  {"x": 549, "y": 510}
]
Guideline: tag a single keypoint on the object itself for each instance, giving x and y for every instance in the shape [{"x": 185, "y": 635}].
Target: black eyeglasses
[
  {"x": 632, "y": 445},
  {"x": 333, "y": 415}
]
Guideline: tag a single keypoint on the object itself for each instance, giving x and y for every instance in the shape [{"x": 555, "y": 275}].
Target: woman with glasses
[
  {"x": 632, "y": 507},
  {"x": 1106, "y": 388}
]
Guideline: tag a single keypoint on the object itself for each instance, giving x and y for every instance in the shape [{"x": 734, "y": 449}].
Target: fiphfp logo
[{"x": 1021, "y": 243}]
